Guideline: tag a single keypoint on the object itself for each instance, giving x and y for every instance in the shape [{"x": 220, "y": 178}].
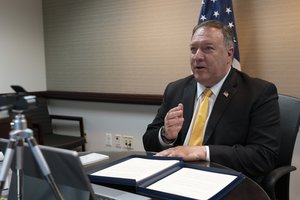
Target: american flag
[{"x": 221, "y": 10}]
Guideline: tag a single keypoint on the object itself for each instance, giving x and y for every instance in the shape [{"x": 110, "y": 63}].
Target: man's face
[{"x": 210, "y": 60}]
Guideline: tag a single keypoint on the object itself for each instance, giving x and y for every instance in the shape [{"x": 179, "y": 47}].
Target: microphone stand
[{"x": 18, "y": 136}]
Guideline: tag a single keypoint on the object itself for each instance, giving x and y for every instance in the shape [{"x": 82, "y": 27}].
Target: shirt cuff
[
  {"x": 207, "y": 158},
  {"x": 161, "y": 141}
]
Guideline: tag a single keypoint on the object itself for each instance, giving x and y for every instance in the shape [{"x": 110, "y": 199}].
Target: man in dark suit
[{"x": 242, "y": 128}]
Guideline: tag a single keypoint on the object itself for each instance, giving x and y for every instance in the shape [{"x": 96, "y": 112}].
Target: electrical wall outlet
[
  {"x": 118, "y": 141},
  {"x": 128, "y": 142},
  {"x": 108, "y": 139}
]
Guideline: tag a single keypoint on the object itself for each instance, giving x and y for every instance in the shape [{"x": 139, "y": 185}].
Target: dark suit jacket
[{"x": 243, "y": 129}]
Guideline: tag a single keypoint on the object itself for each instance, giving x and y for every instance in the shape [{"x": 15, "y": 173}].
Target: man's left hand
[{"x": 188, "y": 153}]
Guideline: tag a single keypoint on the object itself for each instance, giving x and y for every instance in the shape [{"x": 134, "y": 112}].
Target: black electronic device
[{"x": 17, "y": 102}]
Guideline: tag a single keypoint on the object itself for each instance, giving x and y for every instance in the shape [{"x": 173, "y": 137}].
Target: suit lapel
[
  {"x": 226, "y": 93},
  {"x": 188, "y": 102}
]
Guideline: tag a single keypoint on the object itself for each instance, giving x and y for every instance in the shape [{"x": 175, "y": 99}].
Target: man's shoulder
[
  {"x": 177, "y": 88},
  {"x": 252, "y": 87},
  {"x": 183, "y": 81},
  {"x": 251, "y": 81}
]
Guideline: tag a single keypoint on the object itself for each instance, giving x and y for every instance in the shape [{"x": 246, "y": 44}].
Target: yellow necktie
[{"x": 198, "y": 128}]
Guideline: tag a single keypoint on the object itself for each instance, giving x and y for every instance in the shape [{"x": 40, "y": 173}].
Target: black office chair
[
  {"x": 41, "y": 122},
  {"x": 277, "y": 182}
]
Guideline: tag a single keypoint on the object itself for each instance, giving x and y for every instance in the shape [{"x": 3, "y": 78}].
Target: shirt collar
[{"x": 215, "y": 89}]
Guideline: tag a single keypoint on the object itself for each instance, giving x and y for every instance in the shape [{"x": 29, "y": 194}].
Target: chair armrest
[
  {"x": 71, "y": 118},
  {"x": 66, "y": 117},
  {"x": 271, "y": 179}
]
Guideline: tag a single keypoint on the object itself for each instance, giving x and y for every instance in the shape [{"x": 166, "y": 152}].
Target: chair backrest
[
  {"x": 40, "y": 116},
  {"x": 289, "y": 127},
  {"x": 5, "y": 127}
]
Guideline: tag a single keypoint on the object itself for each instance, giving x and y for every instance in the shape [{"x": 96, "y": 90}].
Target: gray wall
[
  {"x": 22, "y": 59},
  {"x": 102, "y": 118},
  {"x": 133, "y": 46}
]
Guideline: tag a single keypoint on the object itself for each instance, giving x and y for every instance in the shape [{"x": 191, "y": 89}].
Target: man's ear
[{"x": 230, "y": 52}]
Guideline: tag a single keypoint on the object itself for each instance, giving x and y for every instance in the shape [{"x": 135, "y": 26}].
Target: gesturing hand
[{"x": 173, "y": 122}]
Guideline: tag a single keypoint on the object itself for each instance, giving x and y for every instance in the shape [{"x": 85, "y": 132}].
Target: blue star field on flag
[{"x": 221, "y": 10}]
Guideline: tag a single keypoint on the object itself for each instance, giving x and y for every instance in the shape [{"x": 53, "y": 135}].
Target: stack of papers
[
  {"x": 1, "y": 156},
  {"x": 8, "y": 178},
  {"x": 92, "y": 158}
]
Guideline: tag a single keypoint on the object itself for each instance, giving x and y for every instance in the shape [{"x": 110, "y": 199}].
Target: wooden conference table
[{"x": 246, "y": 190}]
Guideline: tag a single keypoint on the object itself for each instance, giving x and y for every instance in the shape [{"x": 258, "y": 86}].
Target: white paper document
[
  {"x": 193, "y": 183},
  {"x": 92, "y": 158},
  {"x": 8, "y": 178},
  {"x": 136, "y": 168},
  {"x": 1, "y": 156}
]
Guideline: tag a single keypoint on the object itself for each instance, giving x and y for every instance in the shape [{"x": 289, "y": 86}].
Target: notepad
[{"x": 92, "y": 158}]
